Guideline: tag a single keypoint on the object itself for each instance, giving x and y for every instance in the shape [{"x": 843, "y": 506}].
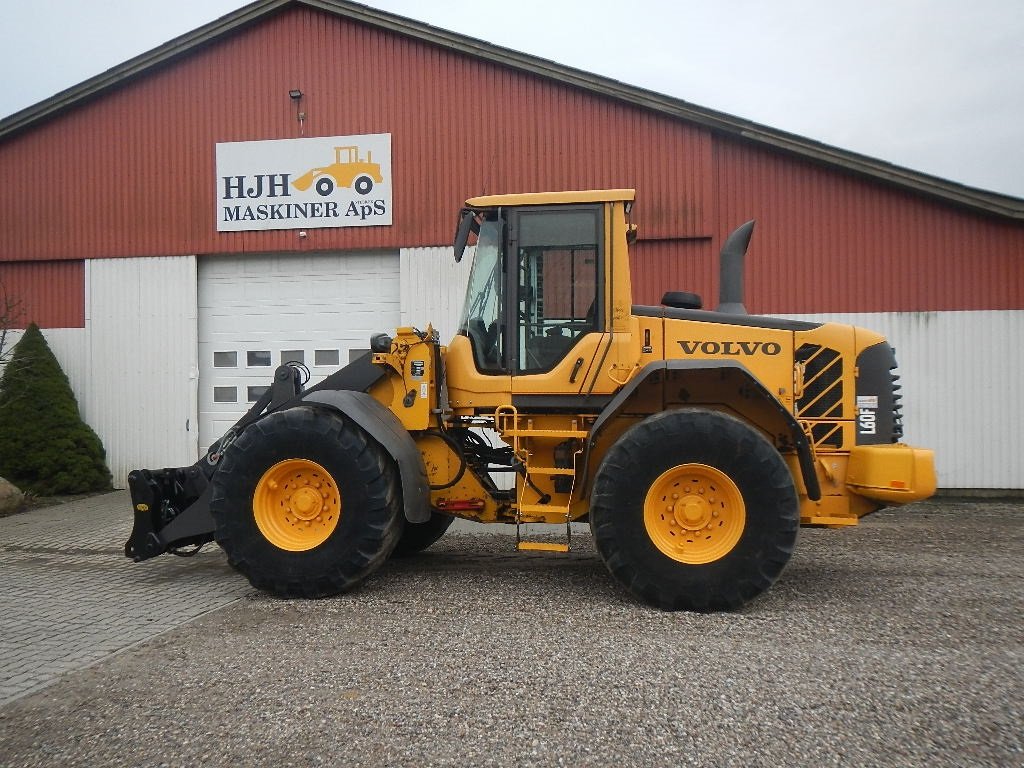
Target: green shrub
[{"x": 45, "y": 447}]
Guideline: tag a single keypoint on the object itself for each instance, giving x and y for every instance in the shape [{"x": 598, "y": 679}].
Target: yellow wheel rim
[
  {"x": 694, "y": 514},
  {"x": 297, "y": 505}
]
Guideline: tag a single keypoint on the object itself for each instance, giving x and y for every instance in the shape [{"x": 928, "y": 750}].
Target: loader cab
[{"x": 535, "y": 287}]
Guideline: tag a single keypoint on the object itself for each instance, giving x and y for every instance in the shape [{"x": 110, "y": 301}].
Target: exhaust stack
[{"x": 730, "y": 276}]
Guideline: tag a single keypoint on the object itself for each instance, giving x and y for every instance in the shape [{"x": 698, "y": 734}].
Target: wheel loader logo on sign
[{"x": 348, "y": 170}]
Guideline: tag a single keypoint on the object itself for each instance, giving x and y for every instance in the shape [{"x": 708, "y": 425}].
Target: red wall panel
[
  {"x": 658, "y": 266},
  {"x": 49, "y": 293},
  {"x": 827, "y": 241},
  {"x": 132, "y": 173}
]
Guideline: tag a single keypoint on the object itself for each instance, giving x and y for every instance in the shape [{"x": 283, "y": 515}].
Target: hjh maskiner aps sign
[{"x": 331, "y": 181}]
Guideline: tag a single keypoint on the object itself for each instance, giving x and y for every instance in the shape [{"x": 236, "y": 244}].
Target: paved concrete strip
[{"x": 70, "y": 597}]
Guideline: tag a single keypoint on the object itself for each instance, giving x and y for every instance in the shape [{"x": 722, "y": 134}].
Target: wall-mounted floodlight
[{"x": 295, "y": 94}]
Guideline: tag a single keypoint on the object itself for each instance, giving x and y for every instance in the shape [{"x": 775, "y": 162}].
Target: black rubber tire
[
  {"x": 418, "y": 536},
  {"x": 718, "y": 440},
  {"x": 363, "y": 185},
  {"x": 324, "y": 186},
  {"x": 371, "y": 511}
]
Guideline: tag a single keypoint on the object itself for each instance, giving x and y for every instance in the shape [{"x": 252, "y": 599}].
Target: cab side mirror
[{"x": 467, "y": 225}]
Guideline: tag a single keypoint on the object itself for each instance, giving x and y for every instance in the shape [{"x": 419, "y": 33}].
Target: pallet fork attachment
[{"x": 172, "y": 505}]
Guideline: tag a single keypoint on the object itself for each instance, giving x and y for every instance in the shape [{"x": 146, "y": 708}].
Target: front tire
[
  {"x": 694, "y": 510},
  {"x": 324, "y": 186},
  {"x": 306, "y": 504}
]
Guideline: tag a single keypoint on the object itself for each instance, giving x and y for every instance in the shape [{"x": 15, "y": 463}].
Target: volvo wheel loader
[{"x": 694, "y": 442}]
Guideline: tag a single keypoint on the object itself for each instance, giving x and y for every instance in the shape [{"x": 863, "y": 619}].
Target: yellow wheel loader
[
  {"x": 694, "y": 442},
  {"x": 347, "y": 170}
]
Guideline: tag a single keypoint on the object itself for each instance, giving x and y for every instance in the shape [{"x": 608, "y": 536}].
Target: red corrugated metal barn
[{"x": 131, "y": 236}]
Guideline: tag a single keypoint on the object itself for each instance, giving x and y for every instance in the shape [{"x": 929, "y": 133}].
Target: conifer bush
[{"x": 45, "y": 447}]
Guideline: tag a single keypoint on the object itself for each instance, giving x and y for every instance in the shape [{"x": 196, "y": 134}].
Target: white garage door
[{"x": 256, "y": 312}]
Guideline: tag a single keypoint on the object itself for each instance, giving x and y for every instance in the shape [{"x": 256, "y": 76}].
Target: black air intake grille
[
  {"x": 822, "y": 397},
  {"x": 827, "y": 433},
  {"x": 879, "y": 412}
]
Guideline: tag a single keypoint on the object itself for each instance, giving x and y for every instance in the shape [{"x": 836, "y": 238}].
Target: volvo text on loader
[{"x": 694, "y": 442}]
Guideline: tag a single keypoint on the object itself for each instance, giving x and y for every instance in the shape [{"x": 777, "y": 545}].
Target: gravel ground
[{"x": 897, "y": 642}]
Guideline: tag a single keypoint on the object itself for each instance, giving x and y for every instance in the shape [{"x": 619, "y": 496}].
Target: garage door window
[
  {"x": 225, "y": 394},
  {"x": 327, "y": 357},
  {"x": 225, "y": 359},
  {"x": 293, "y": 356},
  {"x": 257, "y": 359},
  {"x": 255, "y": 393}
]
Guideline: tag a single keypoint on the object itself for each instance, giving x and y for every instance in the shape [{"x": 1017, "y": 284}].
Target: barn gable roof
[{"x": 959, "y": 194}]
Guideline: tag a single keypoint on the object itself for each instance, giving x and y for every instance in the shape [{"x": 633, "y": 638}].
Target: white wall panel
[
  {"x": 134, "y": 366},
  {"x": 433, "y": 288},
  {"x": 960, "y": 373},
  {"x": 141, "y": 332}
]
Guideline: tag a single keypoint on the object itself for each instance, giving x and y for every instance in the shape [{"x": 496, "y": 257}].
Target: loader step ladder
[
  {"x": 542, "y": 546},
  {"x": 522, "y": 432}
]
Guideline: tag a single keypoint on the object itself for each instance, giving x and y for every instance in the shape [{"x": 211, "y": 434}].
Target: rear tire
[
  {"x": 418, "y": 536},
  {"x": 363, "y": 185},
  {"x": 306, "y": 504},
  {"x": 694, "y": 510}
]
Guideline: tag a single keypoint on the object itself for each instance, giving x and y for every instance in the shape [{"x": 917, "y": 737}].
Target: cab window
[
  {"x": 484, "y": 308},
  {"x": 558, "y": 282}
]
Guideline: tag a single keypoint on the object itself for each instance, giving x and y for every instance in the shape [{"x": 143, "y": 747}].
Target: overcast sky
[{"x": 933, "y": 85}]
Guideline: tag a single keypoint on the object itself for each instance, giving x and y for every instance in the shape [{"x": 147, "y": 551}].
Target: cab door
[{"x": 555, "y": 281}]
